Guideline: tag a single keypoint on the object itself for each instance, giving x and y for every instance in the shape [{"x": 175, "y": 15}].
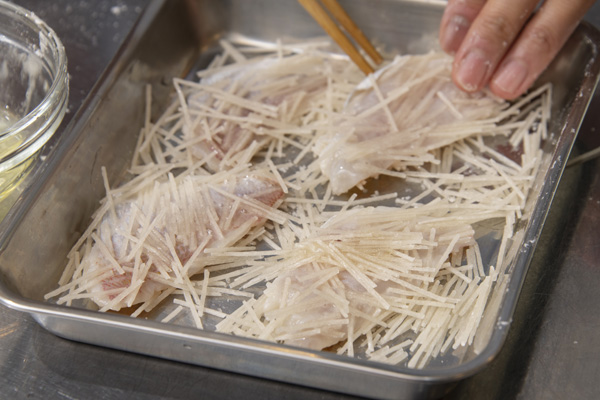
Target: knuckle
[
  {"x": 498, "y": 27},
  {"x": 542, "y": 39}
]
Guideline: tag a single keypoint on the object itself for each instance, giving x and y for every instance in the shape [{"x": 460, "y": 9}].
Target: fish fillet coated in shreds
[
  {"x": 148, "y": 241},
  {"x": 246, "y": 103},
  {"x": 361, "y": 266},
  {"x": 327, "y": 323},
  {"x": 401, "y": 113}
]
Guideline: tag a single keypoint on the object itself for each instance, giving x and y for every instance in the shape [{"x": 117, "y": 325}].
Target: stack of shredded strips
[{"x": 283, "y": 196}]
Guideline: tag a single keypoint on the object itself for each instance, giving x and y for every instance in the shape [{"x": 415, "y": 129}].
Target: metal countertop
[{"x": 553, "y": 348}]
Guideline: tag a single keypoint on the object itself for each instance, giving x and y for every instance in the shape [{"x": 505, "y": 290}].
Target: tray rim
[{"x": 44, "y": 311}]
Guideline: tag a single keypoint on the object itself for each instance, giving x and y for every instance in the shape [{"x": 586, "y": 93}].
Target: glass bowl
[{"x": 34, "y": 90}]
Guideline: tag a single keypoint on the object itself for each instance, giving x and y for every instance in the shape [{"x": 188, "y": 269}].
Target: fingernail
[
  {"x": 454, "y": 33},
  {"x": 473, "y": 70},
  {"x": 511, "y": 76}
]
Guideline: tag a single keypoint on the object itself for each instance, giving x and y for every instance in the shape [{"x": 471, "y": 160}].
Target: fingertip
[
  {"x": 503, "y": 94},
  {"x": 471, "y": 71},
  {"x": 511, "y": 79}
]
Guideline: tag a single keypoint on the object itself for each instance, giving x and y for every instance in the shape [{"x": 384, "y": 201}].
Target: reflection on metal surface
[
  {"x": 590, "y": 155},
  {"x": 9, "y": 329},
  {"x": 10, "y": 197}
]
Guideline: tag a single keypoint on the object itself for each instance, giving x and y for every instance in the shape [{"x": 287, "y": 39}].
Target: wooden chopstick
[
  {"x": 350, "y": 26},
  {"x": 320, "y": 15}
]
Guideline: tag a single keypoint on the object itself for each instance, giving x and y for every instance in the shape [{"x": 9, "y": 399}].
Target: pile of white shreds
[{"x": 331, "y": 217}]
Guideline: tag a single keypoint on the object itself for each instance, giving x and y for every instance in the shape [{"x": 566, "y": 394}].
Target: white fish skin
[{"x": 173, "y": 212}]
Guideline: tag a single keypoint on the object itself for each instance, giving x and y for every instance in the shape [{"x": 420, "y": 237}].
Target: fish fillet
[
  {"x": 148, "y": 241},
  {"x": 406, "y": 110}
]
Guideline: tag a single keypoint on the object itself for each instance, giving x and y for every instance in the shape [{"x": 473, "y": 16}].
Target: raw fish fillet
[
  {"x": 316, "y": 305},
  {"x": 327, "y": 322},
  {"x": 412, "y": 108},
  {"x": 242, "y": 103},
  {"x": 148, "y": 241}
]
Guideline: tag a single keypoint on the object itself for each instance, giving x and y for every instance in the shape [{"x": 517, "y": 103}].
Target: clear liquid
[{"x": 10, "y": 178}]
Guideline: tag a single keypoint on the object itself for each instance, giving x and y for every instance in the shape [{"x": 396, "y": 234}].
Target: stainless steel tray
[{"x": 54, "y": 210}]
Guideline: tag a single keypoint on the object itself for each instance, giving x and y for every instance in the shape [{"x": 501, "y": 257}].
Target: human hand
[{"x": 496, "y": 43}]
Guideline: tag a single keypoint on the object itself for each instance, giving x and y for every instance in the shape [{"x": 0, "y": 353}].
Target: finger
[
  {"x": 537, "y": 45},
  {"x": 488, "y": 39},
  {"x": 456, "y": 21}
]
